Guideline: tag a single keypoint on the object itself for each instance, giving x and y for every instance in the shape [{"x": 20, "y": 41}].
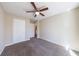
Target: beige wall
[
  {"x": 8, "y": 29},
  {"x": 38, "y": 32},
  {"x": 1, "y": 29},
  {"x": 62, "y": 29},
  {"x": 29, "y": 29}
]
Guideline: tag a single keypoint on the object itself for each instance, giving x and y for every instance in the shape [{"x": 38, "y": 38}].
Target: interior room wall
[
  {"x": 62, "y": 29},
  {"x": 37, "y": 24},
  {"x": 1, "y": 29},
  {"x": 38, "y": 29},
  {"x": 29, "y": 29},
  {"x": 8, "y": 29}
]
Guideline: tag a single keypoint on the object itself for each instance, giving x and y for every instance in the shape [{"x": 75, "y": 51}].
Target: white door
[{"x": 18, "y": 30}]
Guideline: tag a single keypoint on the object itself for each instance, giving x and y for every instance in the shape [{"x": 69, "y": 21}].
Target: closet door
[{"x": 18, "y": 30}]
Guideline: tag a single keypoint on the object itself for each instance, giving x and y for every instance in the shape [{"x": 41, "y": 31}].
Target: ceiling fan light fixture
[{"x": 37, "y": 13}]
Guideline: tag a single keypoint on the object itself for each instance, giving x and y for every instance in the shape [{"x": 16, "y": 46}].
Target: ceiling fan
[{"x": 37, "y": 11}]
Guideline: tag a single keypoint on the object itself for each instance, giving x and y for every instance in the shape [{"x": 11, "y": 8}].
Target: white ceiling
[{"x": 19, "y": 8}]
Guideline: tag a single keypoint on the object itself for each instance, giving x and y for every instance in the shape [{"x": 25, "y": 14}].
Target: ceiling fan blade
[
  {"x": 44, "y": 9},
  {"x": 33, "y": 4},
  {"x": 30, "y": 11},
  {"x": 42, "y": 14}
]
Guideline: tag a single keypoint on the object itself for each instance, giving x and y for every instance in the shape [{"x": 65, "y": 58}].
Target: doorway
[{"x": 18, "y": 30}]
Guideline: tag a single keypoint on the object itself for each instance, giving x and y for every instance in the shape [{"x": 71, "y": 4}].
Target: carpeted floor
[{"x": 35, "y": 47}]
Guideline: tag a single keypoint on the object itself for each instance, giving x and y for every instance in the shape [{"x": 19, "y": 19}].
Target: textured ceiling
[{"x": 19, "y": 8}]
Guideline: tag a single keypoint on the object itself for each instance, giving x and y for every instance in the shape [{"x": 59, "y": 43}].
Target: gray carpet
[{"x": 35, "y": 47}]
